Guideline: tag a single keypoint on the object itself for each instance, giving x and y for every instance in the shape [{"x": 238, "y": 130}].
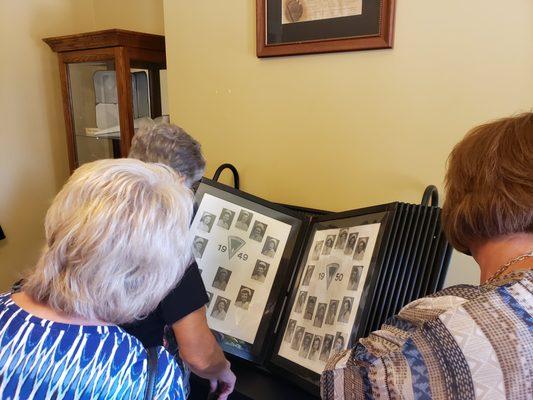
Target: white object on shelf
[
  {"x": 106, "y": 115},
  {"x": 114, "y": 131},
  {"x": 105, "y": 87}
]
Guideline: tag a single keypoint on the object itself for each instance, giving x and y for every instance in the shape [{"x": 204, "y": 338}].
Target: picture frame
[
  {"x": 291, "y": 27},
  {"x": 384, "y": 215},
  {"x": 257, "y": 350}
]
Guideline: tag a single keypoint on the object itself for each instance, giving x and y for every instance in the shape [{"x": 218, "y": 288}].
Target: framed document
[
  {"x": 328, "y": 306},
  {"x": 287, "y": 27},
  {"x": 246, "y": 249}
]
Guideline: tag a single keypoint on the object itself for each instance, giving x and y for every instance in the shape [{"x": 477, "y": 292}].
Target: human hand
[{"x": 222, "y": 386}]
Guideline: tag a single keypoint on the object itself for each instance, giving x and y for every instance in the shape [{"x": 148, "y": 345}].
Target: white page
[
  {"x": 328, "y": 281},
  {"x": 218, "y": 239}
]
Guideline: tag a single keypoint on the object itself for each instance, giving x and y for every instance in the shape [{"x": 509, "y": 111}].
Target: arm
[{"x": 199, "y": 349}]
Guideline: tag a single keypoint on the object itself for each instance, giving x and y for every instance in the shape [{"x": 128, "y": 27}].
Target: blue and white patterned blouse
[{"x": 41, "y": 359}]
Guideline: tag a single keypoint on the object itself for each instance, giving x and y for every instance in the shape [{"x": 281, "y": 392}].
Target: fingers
[
  {"x": 213, "y": 385},
  {"x": 226, "y": 391}
]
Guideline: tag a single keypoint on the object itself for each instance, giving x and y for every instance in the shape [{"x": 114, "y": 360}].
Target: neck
[
  {"x": 492, "y": 254},
  {"x": 44, "y": 311}
]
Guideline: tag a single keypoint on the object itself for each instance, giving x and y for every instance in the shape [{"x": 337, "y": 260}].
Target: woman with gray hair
[
  {"x": 170, "y": 145},
  {"x": 180, "y": 321},
  {"x": 117, "y": 241}
]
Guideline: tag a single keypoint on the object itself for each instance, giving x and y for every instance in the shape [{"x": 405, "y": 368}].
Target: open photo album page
[
  {"x": 328, "y": 295},
  {"x": 238, "y": 251}
]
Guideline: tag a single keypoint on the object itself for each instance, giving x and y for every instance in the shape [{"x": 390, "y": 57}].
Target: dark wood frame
[
  {"x": 127, "y": 49},
  {"x": 307, "y": 379},
  {"x": 383, "y": 40},
  {"x": 262, "y": 346}
]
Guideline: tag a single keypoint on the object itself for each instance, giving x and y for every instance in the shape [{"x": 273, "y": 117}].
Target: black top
[{"x": 188, "y": 296}]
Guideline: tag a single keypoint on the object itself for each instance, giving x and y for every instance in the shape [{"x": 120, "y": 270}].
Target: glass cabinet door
[
  {"x": 94, "y": 102},
  {"x": 95, "y": 108}
]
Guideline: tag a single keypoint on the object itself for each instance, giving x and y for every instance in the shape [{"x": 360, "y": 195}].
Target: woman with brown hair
[{"x": 465, "y": 342}]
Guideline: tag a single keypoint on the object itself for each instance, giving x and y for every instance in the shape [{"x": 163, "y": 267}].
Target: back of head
[
  {"x": 170, "y": 145},
  {"x": 489, "y": 182},
  {"x": 117, "y": 241}
]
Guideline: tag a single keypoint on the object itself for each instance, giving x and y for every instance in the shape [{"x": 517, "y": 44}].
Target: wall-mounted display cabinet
[{"x": 110, "y": 80}]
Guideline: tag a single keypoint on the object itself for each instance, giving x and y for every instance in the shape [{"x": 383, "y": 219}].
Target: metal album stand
[{"x": 413, "y": 260}]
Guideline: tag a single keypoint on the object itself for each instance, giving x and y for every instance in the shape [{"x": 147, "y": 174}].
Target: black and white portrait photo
[
  {"x": 300, "y": 302},
  {"x": 270, "y": 247},
  {"x": 327, "y": 344},
  {"x": 341, "y": 239},
  {"x": 258, "y": 231},
  {"x": 290, "y": 330},
  {"x": 315, "y": 348},
  {"x": 320, "y": 314},
  {"x": 332, "y": 312},
  {"x": 243, "y": 220},
  {"x": 206, "y": 222},
  {"x": 310, "y": 308},
  {"x": 328, "y": 245},
  {"x": 346, "y": 309},
  {"x": 308, "y": 275},
  {"x": 360, "y": 248},
  {"x": 260, "y": 271},
  {"x": 350, "y": 244},
  {"x": 221, "y": 278},
  {"x": 355, "y": 277},
  {"x": 331, "y": 270},
  {"x": 220, "y": 308},
  {"x": 317, "y": 249},
  {"x": 198, "y": 246},
  {"x": 297, "y": 338},
  {"x": 210, "y": 296},
  {"x": 306, "y": 344},
  {"x": 225, "y": 219},
  {"x": 244, "y": 297},
  {"x": 338, "y": 343}
]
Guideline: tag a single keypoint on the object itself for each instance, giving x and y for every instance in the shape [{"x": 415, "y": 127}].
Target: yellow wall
[
  {"x": 334, "y": 131},
  {"x": 134, "y": 15},
  {"x": 33, "y": 157},
  {"x": 346, "y": 130},
  {"x": 33, "y": 162}
]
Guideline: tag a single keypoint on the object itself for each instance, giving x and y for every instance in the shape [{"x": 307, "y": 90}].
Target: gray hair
[
  {"x": 170, "y": 145},
  {"x": 117, "y": 241}
]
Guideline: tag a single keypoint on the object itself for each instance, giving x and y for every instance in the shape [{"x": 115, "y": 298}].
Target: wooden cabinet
[{"x": 110, "y": 80}]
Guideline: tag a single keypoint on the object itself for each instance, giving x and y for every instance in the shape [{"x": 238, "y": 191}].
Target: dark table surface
[{"x": 253, "y": 383}]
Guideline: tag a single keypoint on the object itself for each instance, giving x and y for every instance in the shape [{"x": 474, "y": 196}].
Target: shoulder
[
  {"x": 169, "y": 383},
  {"x": 475, "y": 300},
  {"x": 442, "y": 334},
  {"x": 4, "y": 298}
]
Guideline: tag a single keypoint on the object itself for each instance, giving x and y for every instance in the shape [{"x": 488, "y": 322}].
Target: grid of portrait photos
[
  {"x": 328, "y": 295},
  {"x": 238, "y": 252}
]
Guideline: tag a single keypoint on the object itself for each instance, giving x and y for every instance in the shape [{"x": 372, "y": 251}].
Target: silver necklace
[{"x": 504, "y": 267}]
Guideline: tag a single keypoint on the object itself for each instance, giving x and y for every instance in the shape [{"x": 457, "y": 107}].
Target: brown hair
[{"x": 489, "y": 182}]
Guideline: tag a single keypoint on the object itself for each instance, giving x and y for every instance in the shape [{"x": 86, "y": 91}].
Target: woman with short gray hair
[
  {"x": 179, "y": 321},
  {"x": 117, "y": 241},
  {"x": 170, "y": 145}
]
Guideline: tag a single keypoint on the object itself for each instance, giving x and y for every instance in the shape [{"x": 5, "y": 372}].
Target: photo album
[{"x": 289, "y": 289}]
